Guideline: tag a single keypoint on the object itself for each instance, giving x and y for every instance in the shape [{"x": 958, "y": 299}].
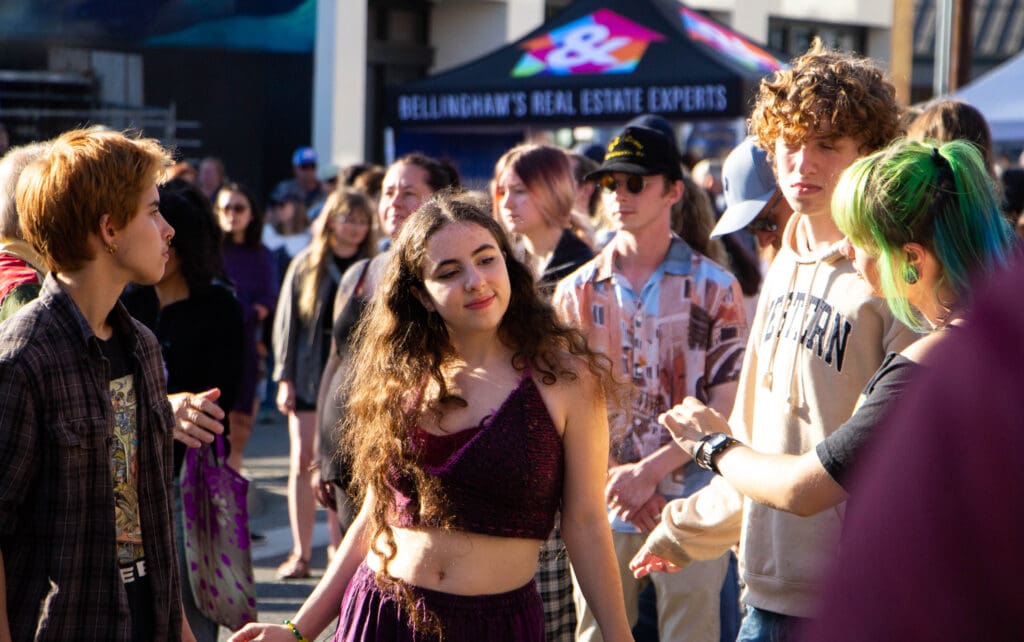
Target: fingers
[
  {"x": 324, "y": 492},
  {"x": 645, "y": 563}
]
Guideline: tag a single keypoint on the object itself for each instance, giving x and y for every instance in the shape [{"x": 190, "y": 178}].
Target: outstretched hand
[
  {"x": 197, "y": 417},
  {"x": 263, "y": 632},
  {"x": 646, "y": 562}
]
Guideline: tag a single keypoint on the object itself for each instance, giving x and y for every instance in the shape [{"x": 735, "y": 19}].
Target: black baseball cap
[{"x": 642, "y": 151}]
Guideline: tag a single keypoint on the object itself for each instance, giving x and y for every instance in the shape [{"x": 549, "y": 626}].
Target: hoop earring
[{"x": 911, "y": 275}]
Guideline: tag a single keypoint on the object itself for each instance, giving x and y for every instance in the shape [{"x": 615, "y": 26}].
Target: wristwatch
[{"x": 709, "y": 447}]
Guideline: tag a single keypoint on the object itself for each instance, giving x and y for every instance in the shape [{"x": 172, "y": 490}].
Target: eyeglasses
[
  {"x": 307, "y": 165},
  {"x": 234, "y": 207},
  {"x": 766, "y": 221},
  {"x": 634, "y": 183},
  {"x": 352, "y": 220}
]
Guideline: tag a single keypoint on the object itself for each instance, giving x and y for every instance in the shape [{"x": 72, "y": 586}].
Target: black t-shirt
[
  {"x": 840, "y": 451},
  {"x": 201, "y": 338}
]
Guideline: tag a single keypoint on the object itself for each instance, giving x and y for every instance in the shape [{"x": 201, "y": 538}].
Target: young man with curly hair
[{"x": 817, "y": 337}]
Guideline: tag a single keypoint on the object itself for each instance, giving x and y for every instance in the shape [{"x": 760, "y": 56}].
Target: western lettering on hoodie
[{"x": 812, "y": 323}]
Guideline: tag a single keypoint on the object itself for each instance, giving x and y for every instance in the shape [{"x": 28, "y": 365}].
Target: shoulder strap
[{"x": 358, "y": 291}]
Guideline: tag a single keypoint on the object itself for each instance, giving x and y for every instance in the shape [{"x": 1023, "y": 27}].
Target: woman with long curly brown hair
[{"x": 474, "y": 415}]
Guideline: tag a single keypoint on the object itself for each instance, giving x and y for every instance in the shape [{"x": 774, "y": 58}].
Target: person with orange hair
[{"x": 85, "y": 425}]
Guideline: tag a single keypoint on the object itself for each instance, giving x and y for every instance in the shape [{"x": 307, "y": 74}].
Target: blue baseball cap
[
  {"x": 303, "y": 156},
  {"x": 749, "y": 183}
]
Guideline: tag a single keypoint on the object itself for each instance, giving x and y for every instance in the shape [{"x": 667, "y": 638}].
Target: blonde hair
[{"x": 341, "y": 202}]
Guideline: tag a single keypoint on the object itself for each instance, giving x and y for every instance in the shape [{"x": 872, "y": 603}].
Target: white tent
[{"x": 999, "y": 95}]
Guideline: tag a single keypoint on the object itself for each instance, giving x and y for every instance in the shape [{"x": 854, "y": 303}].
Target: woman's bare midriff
[{"x": 458, "y": 562}]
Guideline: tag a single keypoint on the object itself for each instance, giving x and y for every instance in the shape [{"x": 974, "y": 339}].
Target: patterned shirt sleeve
[{"x": 727, "y": 336}]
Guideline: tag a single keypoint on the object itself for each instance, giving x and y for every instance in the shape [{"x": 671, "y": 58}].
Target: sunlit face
[
  {"x": 809, "y": 171},
  {"x": 349, "y": 230},
  {"x": 404, "y": 189},
  {"x": 635, "y": 212},
  {"x": 866, "y": 266},
  {"x": 142, "y": 246},
  {"x": 465, "y": 278},
  {"x": 234, "y": 213},
  {"x": 517, "y": 205}
]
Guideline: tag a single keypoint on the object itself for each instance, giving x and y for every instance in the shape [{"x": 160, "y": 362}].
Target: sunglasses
[
  {"x": 766, "y": 222},
  {"x": 234, "y": 207},
  {"x": 307, "y": 165},
  {"x": 634, "y": 183},
  {"x": 763, "y": 225}
]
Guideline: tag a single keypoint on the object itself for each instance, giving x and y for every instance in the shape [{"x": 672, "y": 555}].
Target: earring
[
  {"x": 112, "y": 248},
  {"x": 911, "y": 275}
]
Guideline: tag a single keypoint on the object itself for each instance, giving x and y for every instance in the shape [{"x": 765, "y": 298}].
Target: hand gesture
[
  {"x": 645, "y": 562},
  {"x": 691, "y": 420},
  {"x": 197, "y": 417}
]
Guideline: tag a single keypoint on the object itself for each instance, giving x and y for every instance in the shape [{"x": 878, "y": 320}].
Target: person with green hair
[{"x": 922, "y": 224}]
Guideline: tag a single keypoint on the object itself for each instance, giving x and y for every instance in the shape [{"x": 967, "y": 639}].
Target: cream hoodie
[{"x": 817, "y": 338}]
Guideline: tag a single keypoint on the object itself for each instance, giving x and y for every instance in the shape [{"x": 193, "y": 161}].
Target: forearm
[
  {"x": 796, "y": 484},
  {"x": 588, "y": 540},
  {"x": 322, "y": 605},
  {"x": 702, "y": 526},
  {"x": 663, "y": 461}
]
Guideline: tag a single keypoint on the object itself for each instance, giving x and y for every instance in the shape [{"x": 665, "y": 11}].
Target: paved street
[{"x": 266, "y": 463}]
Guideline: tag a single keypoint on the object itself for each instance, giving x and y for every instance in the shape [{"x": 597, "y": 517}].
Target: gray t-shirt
[{"x": 840, "y": 451}]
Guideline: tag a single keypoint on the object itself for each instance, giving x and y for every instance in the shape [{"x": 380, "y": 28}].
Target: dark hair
[
  {"x": 693, "y": 218},
  {"x": 253, "y": 231},
  {"x": 441, "y": 173},
  {"x": 581, "y": 166},
  {"x": 197, "y": 237},
  {"x": 1013, "y": 191},
  {"x": 947, "y": 120}
]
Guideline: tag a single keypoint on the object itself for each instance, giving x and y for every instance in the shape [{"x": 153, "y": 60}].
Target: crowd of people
[{"x": 595, "y": 401}]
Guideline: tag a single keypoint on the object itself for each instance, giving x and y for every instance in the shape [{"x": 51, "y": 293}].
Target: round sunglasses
[{"x": 634, "y": 183}]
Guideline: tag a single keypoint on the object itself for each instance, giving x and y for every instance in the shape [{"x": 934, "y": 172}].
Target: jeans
[{"x": 765, "y": 626}]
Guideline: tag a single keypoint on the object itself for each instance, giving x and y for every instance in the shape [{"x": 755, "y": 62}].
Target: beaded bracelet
[{"x": 295, "y": 631}]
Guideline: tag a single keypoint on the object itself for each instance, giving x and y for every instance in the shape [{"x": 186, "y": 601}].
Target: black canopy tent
[{"x": 596, "y": 62}]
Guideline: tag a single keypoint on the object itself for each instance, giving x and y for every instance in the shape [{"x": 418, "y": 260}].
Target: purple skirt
[{"x": 369, "y": 614}]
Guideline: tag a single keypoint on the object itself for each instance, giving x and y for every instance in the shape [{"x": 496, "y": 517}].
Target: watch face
[{"x": 717, "y": 440}]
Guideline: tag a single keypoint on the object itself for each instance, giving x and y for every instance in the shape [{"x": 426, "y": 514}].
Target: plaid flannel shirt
[{"x": 57, "y": 530}]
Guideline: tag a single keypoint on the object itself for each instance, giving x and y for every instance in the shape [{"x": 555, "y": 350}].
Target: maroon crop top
[{"x": 502, "y": 478}]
